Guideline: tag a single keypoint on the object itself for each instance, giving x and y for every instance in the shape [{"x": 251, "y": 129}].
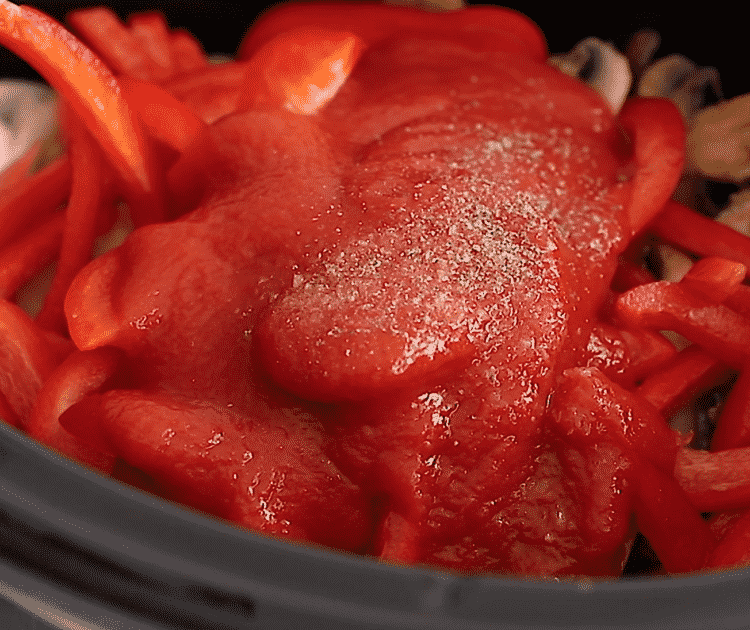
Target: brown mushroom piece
[
  {"x": 28, "y": 114},
  {"x": 718, "y": 141},
  {"x": 601, "y": 66}
]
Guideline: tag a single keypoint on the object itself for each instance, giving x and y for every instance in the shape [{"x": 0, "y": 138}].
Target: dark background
[{"x": 711, "y": 35}]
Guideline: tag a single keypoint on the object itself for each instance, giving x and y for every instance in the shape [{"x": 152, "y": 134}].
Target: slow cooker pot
[{"x": 81, "y": 551}]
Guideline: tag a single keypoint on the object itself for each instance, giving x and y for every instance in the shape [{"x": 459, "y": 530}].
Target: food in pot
[{"x": 384, "y": 294}]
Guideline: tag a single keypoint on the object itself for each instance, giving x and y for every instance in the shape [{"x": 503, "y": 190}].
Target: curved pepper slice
[
  {"x": 733, "y": 426},
  {"x": 479, "y": 28},
  {"x": 691, "y": 231},
  {"x": 81, "y": 218},
  {"x": 657, "y": 131},
  {"x": 152, "y": 34},
  {"x": 714, "y": 278},
  {"x": 663, "y": 305},
  {"x": 80, "y": 374},
  {"x": 675, "y": 528},
  {"x": 690, "y": 372},
  {"x": 26, "y": 359},
  {"x": 166, "y": 118},
  {"x": 734, "y": 547},
  {"x": 27, "y": 256},
  {"x": 261, "y": 472},
  {"x": 715, "y": 481},
  {"x": 626, "y": 355},
  {"x": 84, "y": 82},
  {"x": 37, "y": 197},
  {"x": 300, "y": 70},
  {"x": 103, "y": 31}
]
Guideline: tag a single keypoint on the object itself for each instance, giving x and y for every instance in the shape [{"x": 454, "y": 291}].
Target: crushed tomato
[{"x": 380, "y": 295}]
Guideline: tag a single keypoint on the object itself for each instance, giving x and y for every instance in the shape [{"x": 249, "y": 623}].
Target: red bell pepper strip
[
  {"x": 734, "y": 547},
  {"x": 678, "y": 534},
  {"x": 27, "y": 256},
  {"x": 626, "y": 355},
  {"x": 715, "y": 481},
  {"x": 300, "y": 70},
  {"x": 588, "y": 408},
  {"x": 714, "y": 279},
  {"x": 81, "y": 218},
  {"x": 718, "y": 329},
  {"x": 740, "y": 300},
  {"x": 152, "y": 34},
  {"x": 187, "y": 54},
  {"x": 86, "y": 84},
  {"x": 79, "y": 375},
  {"x": 691, "y": 231},
  {"x": 689, "y": 373},
  {"x": 103, "y": 31},
  {"x": 34, "y": 199},
  {"x": 484, "y": 28},
  {"x": 733, "y": 425},
  {"x": 629, "y": 275},
  {"x": 26, "y": 359},
  {"x": 212, "y": 93},
  {"x": 721, "y": 522},
  {"x": 657, "y": 131},
  {"x": 165, "y": 118}
]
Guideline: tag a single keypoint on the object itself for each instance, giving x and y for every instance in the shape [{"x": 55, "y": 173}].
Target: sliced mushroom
[
  {"x": 737, "y": 212},
  {"x": 601, "y": 66},
  {"x": 641, "y": 49},
  {"x": 677, "y": 78},
  {"x": 718, "y": 141},
  {"x": 429, "y": 5},
  {"x": 27, "y": 115}
]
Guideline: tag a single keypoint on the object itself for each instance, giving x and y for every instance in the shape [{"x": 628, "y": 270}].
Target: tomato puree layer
[{"x": 385, "y": 294}]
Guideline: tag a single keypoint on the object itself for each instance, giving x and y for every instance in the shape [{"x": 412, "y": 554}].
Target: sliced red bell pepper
[
  {"x": 734, "y": 547},
  {"x": 87, "y": 85},
  {"x": 211, "y": 93},
  {"x": 626, "y": 355},
  {"x": 718, "y": 329},
  {"x": 656, "y": 129},
  {"x": 34, "y": 199},
  {"x": 588, "y": 408},
  {"x": 151, "y": 32},
  {"x": 28, "y": 255},
  {"x": 80, "y": 374},
  {"x": 102, "y": 30},
  {"x": 733, "y": 425},
  {"x": 740, "y": 300},
  {"x": 479, "y": 27},
  {"x": 689, "y": 373},
  {"x": 26, "y": 359},
  {"x": 691, "y": 231},
  {"x": 714, "y": 279},
  {"x": 675, "y": 528},
  {"x": 629, "y": 275},
  {"x": 166, "y": 118},
  {"x": 300, "y": 70},
  {"x": 715, "y": 481},
  {"x": 81, "y": 221},
  {"x": 187, "y": 53}
]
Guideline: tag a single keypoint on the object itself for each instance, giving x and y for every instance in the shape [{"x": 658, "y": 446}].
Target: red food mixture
[{"x": 379, "y": 315}]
